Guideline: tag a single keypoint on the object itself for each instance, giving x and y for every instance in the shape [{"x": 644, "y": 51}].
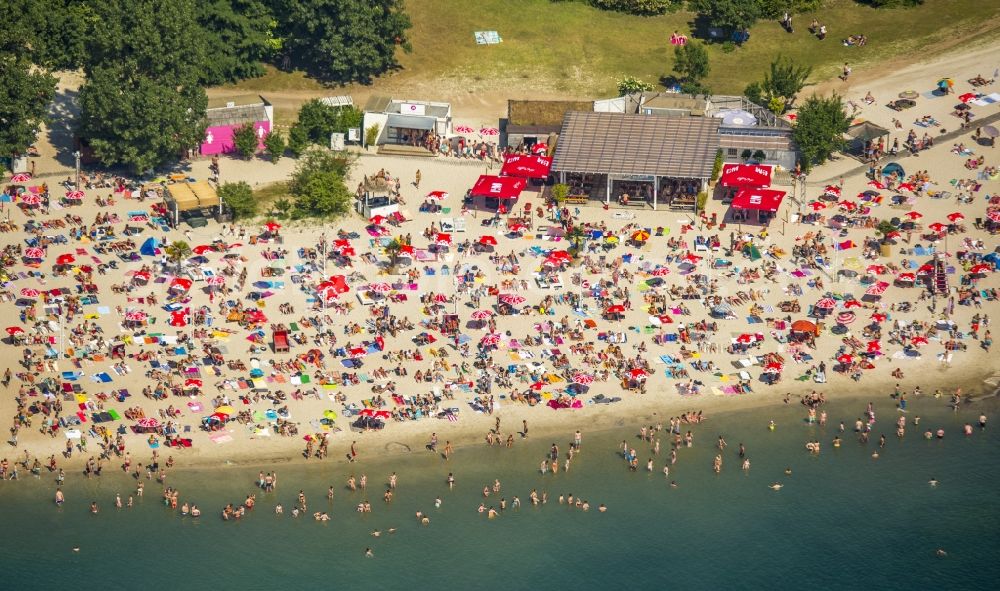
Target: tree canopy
[
  {"x": 237, "y": 39},
  {"x": 691, "y": 65},
  {"x": 318, "y": 184},
  {"x": 640, "y": 7},
  {"x": 246, "y": 141},
  {"x": 240, "y": 199},
  {"x": 343, "y": 40},
  {"x": 819, "y": 128},
  {"x": 733, "y": 15},
  {"x": 141, "y": 104},
  {"x": 318, "y": 120},
  {"x": 24, "y": 100},
  {"x": 785, "y": 78}
]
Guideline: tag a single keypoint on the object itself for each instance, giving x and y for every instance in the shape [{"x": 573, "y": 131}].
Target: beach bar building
[
  {"x": 654, "y": 161},
  {"x": 405, "y": 122},
  {"x": 193, "y": 202},
  {"x": 225, "y": 119}
]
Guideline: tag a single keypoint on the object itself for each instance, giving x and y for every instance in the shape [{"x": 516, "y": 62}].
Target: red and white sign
[
  {"x": 746, "y": 175},
  {"x": 759, "y": 199},
  {"x": 530, "y": 167},
  {"x": 500, "y": 187}
]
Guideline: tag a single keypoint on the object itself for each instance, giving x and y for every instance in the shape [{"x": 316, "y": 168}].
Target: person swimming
[
  {"x": 933, "y": 481},
  {"x": 776, "y": 486}
]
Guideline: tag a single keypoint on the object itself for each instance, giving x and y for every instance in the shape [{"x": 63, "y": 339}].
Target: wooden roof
[
  {"x": 183, "y": 196},
  {"x": 207, "y": 197},
  {"x": 626, "y": 144}
]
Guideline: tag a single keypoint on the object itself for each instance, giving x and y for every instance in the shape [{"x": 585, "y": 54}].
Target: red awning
[
  {"x": 746, "y": 175},
  {"x": 759, "y": 199},
  {"x": 529, "y": 167},
  {"x": 501, "y": 187}
]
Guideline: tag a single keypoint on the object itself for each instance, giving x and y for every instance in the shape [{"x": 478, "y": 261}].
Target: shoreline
[{"x": 411, "y": 437}]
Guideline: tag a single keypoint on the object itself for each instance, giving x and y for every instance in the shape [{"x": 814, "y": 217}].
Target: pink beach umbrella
[
  {"x": 513, "y": 299},
  {"x": 877, "y": 289},
  {"x": 490, "y": 340},
  {"x": 21, "y": 177},
  {"x": 482, "y": 315}
]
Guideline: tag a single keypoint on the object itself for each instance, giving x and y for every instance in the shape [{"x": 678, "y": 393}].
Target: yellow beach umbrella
[{"x": 226, "y": 410}]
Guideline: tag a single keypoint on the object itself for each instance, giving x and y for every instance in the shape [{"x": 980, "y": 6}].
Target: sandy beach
[{"x": 77, "y": 371}]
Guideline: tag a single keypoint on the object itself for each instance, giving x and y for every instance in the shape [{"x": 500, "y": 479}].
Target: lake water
[{"x": 842, "y": 521}]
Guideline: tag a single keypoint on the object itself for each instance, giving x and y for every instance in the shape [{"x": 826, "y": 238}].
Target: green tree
[
  {"x": 819, "y": 128},
  {"x": 141, "y": 104},
  {"x": 691, "y": 62},
  {"x": 318, "y": 184},
  {"x": 246, "y": 141},
  {"x": 319, "y": 120},
  {"x": 274, "y": 145},
  {"x": 891, "y": 3},
  {"x": 343, "y": 40},
  {"x": 237, "y": 38},
  {"x": 754, "y": 93},
  {"x": 240, "y": 199},
  {"x": 177, "y": 251},
  {"x": 25, "y": 95},
  {"x": 631, "y": 84},
  {"x": 51, "y": 34},
  {"x": 298, "y": 139},
  {"x": 785, "y": 78},
  {"x": 284, "y": 206},
  {"x": 732, "y": 15},
  {"x": 322, "y": 194},
  {"x": 640, "y": 7},
  {"x": 559, "y": 192}
]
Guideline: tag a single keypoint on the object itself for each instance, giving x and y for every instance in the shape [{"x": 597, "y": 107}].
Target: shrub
[
  {"x": 274, "y": 145},
  {"x": 246, "y": 141},
  {"x": 559, "y": 192},
  {"x": 631, "y": 84},
  {"x": 717, "y": 166},
  {"x": 702, "y": 200},
  {"x": 371, "y": 135},
  {"x": 239, "y": 197}
]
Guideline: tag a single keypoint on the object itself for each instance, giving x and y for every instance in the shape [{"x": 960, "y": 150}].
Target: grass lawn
[
  {"x": 266, "y": 195},
  {"x": 571, "y": 49}
]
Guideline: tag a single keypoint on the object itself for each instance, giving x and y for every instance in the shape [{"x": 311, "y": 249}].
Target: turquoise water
[{"x": 843, "y": 520}]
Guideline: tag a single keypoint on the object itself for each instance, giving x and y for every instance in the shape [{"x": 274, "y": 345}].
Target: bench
[
  {"x": 576, "y": 200},
  {"x": 636, "y": 203}
]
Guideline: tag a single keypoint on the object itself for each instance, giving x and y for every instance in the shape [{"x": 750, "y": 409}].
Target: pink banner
[{"x": 219, "y": 139}]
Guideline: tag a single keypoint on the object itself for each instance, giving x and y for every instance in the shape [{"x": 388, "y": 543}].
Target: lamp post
[{"x": 77, "y": 155}]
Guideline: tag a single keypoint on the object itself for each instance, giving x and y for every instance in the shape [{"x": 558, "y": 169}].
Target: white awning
[{"x": 410, "y": 122}]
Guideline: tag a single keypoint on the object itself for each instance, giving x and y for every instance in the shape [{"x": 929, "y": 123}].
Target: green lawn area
[
  {"x": 266, "y": 195},
  {"x": 572, "y": 49}
]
